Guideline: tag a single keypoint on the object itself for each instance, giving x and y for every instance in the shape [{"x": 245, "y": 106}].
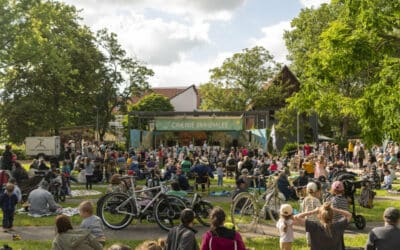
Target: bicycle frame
[{"x": 133, "y": 197}]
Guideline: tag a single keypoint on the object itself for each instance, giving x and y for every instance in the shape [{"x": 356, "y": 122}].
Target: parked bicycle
[
  {"x": 117, "y": 210},
  {"x": 248, "y": 209}
]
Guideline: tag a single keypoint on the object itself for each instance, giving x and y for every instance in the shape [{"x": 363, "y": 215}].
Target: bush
[{"x": 290, "y": 148}]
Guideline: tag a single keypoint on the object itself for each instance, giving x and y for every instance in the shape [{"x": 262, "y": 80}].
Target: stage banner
[{"x": 199, "y": 124}]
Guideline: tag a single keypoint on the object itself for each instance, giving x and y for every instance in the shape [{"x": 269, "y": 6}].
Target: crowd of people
[{"x": 322, "y": 218}]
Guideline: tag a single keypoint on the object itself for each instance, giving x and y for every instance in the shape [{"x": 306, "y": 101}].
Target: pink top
[
  {"x": 220, "y": 243},
  {"x": 320, "y": 170}
]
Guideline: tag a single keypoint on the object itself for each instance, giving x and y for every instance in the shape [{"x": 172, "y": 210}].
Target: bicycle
[
  {"x": 248, "y": 208},
  {"x": 117, "y": 210}
]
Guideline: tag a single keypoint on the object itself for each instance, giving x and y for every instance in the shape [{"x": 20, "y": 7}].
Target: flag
[{"x": 273, "y": 136}]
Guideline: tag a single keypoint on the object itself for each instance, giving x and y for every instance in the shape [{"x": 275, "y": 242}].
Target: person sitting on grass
[
  {"x": 220, "y": 237},
  {"x": 8, "y": 200},
  {"x": 285, "y": 188},
  {"x": 326, "y": 233},
  {"x": 387, "y": 180},
  {"x": 176, "y": 190},
  {"x": 92, "y": 222},
  {"x": 116, "y": 185},
  {"x": 388, "y": 236},
  {"x": 68, "y": 238},
  {"x": 42, "y": 201}
]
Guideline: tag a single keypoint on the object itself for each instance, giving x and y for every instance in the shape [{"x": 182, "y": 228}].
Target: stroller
[
  {"x": 58, "y": 188},
  {"x": 350, "y": 188}
]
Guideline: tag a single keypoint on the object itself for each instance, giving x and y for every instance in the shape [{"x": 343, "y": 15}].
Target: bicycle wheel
[
  {"x": 115, "y": 212},
  {"x": 202, "y": 210},
  {"x": 167, "y": 211},
  {"x": 272, "y": 205},
  {"x": 244, "y": 212}
]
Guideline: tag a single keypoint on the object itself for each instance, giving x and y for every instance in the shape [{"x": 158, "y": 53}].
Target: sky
[{"x": 181, "y": 40}]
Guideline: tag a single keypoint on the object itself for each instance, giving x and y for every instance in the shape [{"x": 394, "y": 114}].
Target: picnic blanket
[
  {"x": 82, "y": 192},
  {"x": 68, "y": 211},
  {"x": 221, "y": 193}
]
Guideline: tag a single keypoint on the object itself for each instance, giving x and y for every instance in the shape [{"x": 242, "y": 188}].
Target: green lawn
[{"x": 259, "y": 243}]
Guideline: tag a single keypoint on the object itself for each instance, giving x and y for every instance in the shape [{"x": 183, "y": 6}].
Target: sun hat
[
  {"x": 312, "y": 187},
  {"x": 204, "y": 160},
  {"x": 337, "y": 185},
  {"x": 286, "y": 210},
  {"x": 244, "y": 170}
]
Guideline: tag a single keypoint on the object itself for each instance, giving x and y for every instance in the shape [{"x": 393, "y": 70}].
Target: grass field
[{"x": 266, "y": 243}]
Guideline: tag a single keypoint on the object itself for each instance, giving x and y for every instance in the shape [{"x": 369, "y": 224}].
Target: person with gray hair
[
  {"x": 388, "y": 236},
  {"x": 41, "y": 201}
]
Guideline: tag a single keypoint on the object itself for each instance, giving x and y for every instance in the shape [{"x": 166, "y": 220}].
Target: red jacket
[{"x": 223, "y": 239}]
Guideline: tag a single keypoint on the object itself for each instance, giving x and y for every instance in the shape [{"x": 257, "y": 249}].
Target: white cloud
[
  {"x": 273, "y": 40},
  {"x": 313, "y": 3},
  {"x": 186, "y": 72},
  {"x": 156, "y": 41}
]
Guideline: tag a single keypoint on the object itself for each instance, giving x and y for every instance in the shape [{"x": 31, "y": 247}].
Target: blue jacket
[
  {"x": 7, "y": 202},
  {"x": 202, "y": 170}
]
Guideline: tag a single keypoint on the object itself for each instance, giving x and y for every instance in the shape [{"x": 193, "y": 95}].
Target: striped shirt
[{"x": 339, "y": 202}]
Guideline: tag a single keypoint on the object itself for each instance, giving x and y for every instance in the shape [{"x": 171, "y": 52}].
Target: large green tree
[
  {"x": 48, "y": 68},
  {"x": 339, "y": 51},
  {"x": 236, "y": 84},
  {"x": 122, "y": 77}
]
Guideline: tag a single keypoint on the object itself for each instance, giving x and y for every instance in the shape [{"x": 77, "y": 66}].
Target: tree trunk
[{"x": 345, "y": 127}]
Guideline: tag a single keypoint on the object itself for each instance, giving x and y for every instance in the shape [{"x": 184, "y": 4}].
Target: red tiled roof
[{"x": 167, "y": 92}]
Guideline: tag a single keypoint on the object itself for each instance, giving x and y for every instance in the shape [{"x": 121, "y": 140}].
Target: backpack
[{"x": 367, "y": 197}]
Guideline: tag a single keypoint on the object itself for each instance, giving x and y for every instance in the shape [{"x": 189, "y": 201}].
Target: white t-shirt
[
  {"x": 288, "y": 235},
  {"x": 220, "y": 171}
]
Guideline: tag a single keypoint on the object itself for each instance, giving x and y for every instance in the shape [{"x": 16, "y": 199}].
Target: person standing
[
  {"x": 285, "y": 227},
  {"x": 388, "y": 236},
  {"x": 6, "y": 161},
  {"x": 220, "y": 237},
  {"x": 8, "y": 200},
  {"x": 89, "y": 168},
  {"x": 325, "y": 234},
  {"x": 183, "y": 236}
]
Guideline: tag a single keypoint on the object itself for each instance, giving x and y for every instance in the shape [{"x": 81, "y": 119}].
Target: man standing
[
  {"x": 183, "y": 236},
  {"x": 7, "y": 158},
  {"x": 388, "y": 236}
]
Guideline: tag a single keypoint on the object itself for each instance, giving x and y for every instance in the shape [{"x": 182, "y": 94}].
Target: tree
[
  {"x": 342, "y": 57},
  {"x": 237, "y": 83},
  {"x": 151, "y": 102},
  {"x": 122, "y": 77},
  {"x": 48, "y": 68}
]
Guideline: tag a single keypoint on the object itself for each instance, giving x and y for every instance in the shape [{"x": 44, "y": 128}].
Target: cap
[
  {"x": 391, "y": 214},
  {"x": 286, "y": 210},
  {"x": 312, "y": 187},
  {"x": 338, "y": 185}
]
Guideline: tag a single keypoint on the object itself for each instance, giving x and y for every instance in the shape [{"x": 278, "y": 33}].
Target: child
[
  {"x": 116, "y": 185},
  {"x": 92, "y": 222},
  {"x": 17, "y": 190},
  {"x": 285, "y": 227},
  {"x": 338, "y": 199},
  {"x": 387, "y": 180},
  {"x": 220, "y": 174},
  {"x": 8, "y": 200},
  {"x": 310, "y": 203}
]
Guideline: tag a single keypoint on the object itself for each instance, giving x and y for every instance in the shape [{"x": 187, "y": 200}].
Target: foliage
[
  {"x": 121, "y": 77},
  {"x": 290, "y": 148},
  {"x": 237, "y": 83},
  {"x": 47, "y": 69},
  {"x": 341, "y": 51}
]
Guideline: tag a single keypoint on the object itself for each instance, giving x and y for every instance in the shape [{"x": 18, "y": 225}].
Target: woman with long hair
[
  {"x": 325, "y": 233},
  {"x": 220, "y": 237}
]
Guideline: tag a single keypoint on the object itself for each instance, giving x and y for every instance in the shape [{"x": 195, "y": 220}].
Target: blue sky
[{"x": 182, "y": 39}]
